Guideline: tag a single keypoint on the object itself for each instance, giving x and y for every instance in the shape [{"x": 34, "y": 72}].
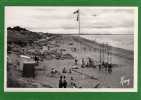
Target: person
[
  {"x": 87, "y": 64},
  {"x": 83, "y": 63},
  {"x": 60, "y": 82},
  {"x": 102, "y": 66},
  {"x": 106, "y": 66},
  {"x": 99, "y": 67},
  {"x": 110, "y": 68},
  {"x": 70, "y": 70},
  {"x": 53, "y": 71},
  {"x": 36, "y": 59},
  {"x": 72, "y": 83},
  {"x": 64, "y": 70},
  {"x": 76, "y": 61},
  {"x": 64, "y": 82},
  {"x": 91, "y": 63}
]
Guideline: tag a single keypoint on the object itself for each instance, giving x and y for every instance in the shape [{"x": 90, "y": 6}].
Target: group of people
[
  {"x": 105, "y": 67},
  {"x": 63, "y": 82},
  {"x": 88, "y": 63}
]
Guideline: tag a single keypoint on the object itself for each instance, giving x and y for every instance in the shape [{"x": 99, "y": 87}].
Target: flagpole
[
  {"x": 79, "y": 22},
  {"x": 79, "y": 35},
  {"x": 79, "y": 27}
]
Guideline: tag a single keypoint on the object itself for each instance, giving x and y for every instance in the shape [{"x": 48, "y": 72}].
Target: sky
[{"x": 93, "y": 20}]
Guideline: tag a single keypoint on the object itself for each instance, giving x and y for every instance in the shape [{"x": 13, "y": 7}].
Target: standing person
[
  {"x": 64, "y": 70},
  {"x": 64, "y": 82},
  {"x": 110, "y": 68},
  {"x": 106, "y": 66},
  {"x": 83, "y": 63},
  {"x": 70, "y": 70},
  {"x": 35, "y": 58},
  {"x": 60, "y": 82},
  {"x": 103, "y": 66},
  {"x": 99, "y": 67},
  {"x": 38, "y": 59},
  {"x": 76, "y": 61}
]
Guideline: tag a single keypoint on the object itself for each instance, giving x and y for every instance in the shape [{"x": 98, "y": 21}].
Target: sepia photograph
[{"x": 70, "y": 49}]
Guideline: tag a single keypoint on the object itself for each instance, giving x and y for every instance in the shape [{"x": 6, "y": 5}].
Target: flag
[{"x": 77, "y": 12}]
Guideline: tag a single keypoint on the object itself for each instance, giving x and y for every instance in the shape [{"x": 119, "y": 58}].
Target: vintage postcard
[{"x": 71, "y": 49}]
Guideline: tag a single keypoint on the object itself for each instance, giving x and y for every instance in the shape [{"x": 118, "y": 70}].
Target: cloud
[{"x": 61, "y": 19}]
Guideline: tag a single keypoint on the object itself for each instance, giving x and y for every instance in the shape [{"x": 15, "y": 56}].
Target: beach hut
[{"x": 27, "y": 66}]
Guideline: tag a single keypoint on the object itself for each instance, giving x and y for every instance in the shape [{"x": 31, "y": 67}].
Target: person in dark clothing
[
  {"x": 76, "y": 61},
  {"x": 60, "y": 82},
  {"x": 102, "y": 66},
  {"x": 99, "y": 67},
  {"x": 83, "y": 63},
  {"x": 64, "y": 82},
  {"x": 110, "y": 68},
  {"x": 103, "y": 63},
  {"x": 70, "y": 70},
  {"x": 106, "y": 66},
  {"x": 36, "y": 59}
]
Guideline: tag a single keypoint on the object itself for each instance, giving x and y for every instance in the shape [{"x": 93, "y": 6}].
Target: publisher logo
[{"x": 124, "y": 82}]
